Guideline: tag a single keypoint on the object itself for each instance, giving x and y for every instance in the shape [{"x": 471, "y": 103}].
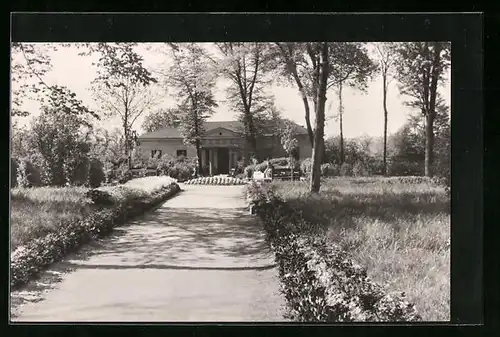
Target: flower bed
[
  {"x": 29, "y": 259},
  {"x": 216, "y": 180},
  {"x": 320, "y": 283}
]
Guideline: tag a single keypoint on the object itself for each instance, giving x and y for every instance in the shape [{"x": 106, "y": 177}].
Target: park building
[{"x": 222, "y": 146}]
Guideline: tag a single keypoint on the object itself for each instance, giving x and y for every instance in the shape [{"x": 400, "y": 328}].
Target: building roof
[{"x": 235, "y": 126}]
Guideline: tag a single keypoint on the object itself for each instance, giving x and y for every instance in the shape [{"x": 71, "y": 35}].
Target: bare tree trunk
[
  {"x": 198, "y": 155},
  {"x": 384, "y": 79},
  {"x": 429, "y": 144},
  {"x": 310, "y": 133},
  {"x": 320, "y": 120},
  {"x": 252, "y": 135},
  {"x": 293, "y": 69},
  {"x": 341, "y": 112},
  {"x": 431, "y": 112}
]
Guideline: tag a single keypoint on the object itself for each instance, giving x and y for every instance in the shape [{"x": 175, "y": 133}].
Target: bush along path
[
  {"x": 319, "y": 281},
  {"x": 216, "y": 180},
  {"x": 28, "y": 260}
]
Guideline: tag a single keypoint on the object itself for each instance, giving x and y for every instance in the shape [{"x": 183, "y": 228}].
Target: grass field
[
  {"x": 35, "y": 212},
  {"x": 399, "y": 230}
]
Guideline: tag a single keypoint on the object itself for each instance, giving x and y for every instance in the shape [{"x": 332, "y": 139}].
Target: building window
[
  {"x": 181, "y": 153},
  {"x": 155, "y": 153}
]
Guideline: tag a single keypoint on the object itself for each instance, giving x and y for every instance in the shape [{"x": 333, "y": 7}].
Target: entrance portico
[
  {"x": 220, "y": 149},
  {"x": 219, "y": 160}
]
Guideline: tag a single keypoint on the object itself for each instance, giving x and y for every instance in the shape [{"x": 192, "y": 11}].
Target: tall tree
[
  {"x": 288, "y": 138},
  {"x": 193, "y": 80},
  {"x": 122, "y": 86},
  {"x": 319, "y": 131},
  {"x": 386, "y": 56},
  {"x": 160, "y": 119},
  {"x": 61, "y": 140},
  {"x": 246, "y": 66},
  {"x": 341, "y": 124},
  {"x": 29, "y": 64},
  {"x": 296, "y": 70},
  {"x": 351, "y": 66},
  {"x": 420, "y": 69},
  {"x": 348, "y": 63}
]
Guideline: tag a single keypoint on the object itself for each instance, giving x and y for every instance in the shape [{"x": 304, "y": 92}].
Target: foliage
[
  {"x": 350, "y": 65},
  {"x": 96, "y": 174},
  {"x": 193, "y": 81},
  {"x": 409, "y": 153},
  {"x": 29, "y": 63},
  {"x": 305, "y": 166},
  {"x": 320, "y": 282},
  {"x": 398, "y": 228},
  {"x": 123, "y": 173},
  {"x": 359, "y": 170},
  {"x": 13, "y": 172},
  {"x": 346, "y": 170},
  {"x": 122, "y": 87},
  {"x": 288, "y": 139},
  {"x": 27, "y": 174},
  {"x": 249, "y": 170},
  {"x": 330, "y": 170},
  {"x": 247, "y": 67},
  {"x": 161, "y": 119},
  {"x": 420, "y": 70},
  {"x": 69, "y": 222},
  {"x": 61, "y": 141}
]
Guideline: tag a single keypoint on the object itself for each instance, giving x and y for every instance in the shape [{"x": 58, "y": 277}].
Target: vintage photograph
[{"x": 230, "y": 182}]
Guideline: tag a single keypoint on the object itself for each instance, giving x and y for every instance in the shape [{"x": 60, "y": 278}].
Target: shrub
[
  {"x": 99, "y": 197},
  {"x": 27, "y": 174},
  {"x": 249, "y": 170},
  {"x": 261, "y": 167},
  {"x": 78, "y": 175},
  {"x": 346, "y": 170},
  {"x": 29, "y": 259},
  {"x": 163, "y": 165},
  {"x": 240, "y": 167},
  {"x": 320, "y": 282},
  {"x": 123, "y": 174},
  {"x": 283, "y": 161},
  {"x": 139, "y": 160},
  {"x": 181, "y": 170},
  {"x": 109, "y": 172},
  {"x": 359, "y": 169},
  {"x": 306, "y": 166},
  {"x": 96, "y": 175},
  {"x": 330, "y": 170},
  {"x": 13, "y": 172}
]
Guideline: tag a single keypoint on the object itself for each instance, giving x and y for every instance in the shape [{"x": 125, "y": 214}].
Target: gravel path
[{"x": 198, "y": 257}]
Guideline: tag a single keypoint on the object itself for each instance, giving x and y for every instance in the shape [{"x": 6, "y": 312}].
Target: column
[{"x": 210, "y": 161}]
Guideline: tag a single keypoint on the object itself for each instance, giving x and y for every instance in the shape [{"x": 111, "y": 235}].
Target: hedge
[
  {"x": 216, "y": 181},
  {"x": 28, "y": 260},
  {"x": 319, "y": 281}
]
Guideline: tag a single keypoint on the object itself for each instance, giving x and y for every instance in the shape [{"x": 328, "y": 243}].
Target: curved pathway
[{"x": 198, "y": 257}]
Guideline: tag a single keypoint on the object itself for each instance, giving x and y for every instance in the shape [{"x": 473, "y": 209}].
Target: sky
[{"x": 363, "y": 111}]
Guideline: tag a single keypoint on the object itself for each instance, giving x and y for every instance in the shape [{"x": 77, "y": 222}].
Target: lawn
[
  {"x": 398, "y": 229},
  {"x": 36, "y": 212}
]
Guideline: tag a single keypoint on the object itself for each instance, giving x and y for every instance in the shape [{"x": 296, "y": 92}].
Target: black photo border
[{"x": 465, "y": 31}]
